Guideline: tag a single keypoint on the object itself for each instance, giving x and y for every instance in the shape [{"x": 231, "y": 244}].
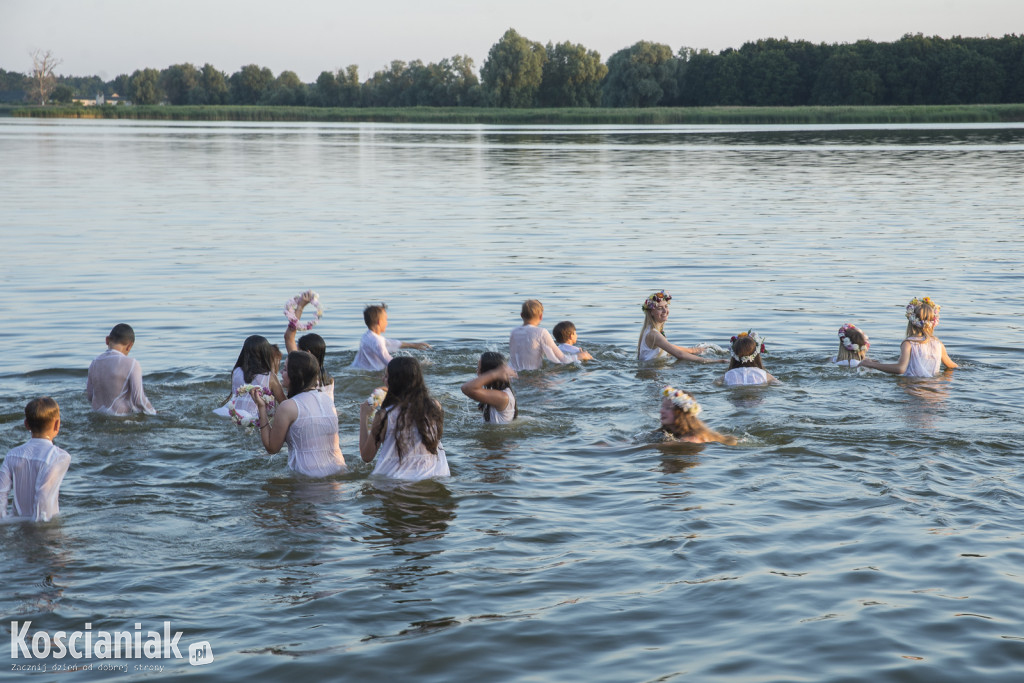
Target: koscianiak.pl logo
[{"x": 76, "y": 650}]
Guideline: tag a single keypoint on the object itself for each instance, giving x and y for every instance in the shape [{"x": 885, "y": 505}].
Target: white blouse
[
  {"x": 416, "y": 462},
  {"x": 529, "y": 345},
  {"x": 374, "y": 351},
  {"x": 744, "y": 376},
  {"x": 312, "y": 438},
  {"x": 34, "y": 471},
  {"x": 114, "y": 385}
]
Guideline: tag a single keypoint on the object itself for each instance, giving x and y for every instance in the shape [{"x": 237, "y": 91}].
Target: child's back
[
  {"x": 114, "y": 385},
  {"x": 35, "y": 470}
]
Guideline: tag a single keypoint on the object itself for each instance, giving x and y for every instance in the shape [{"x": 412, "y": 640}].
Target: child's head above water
[
  {"x": 256, "y": 357},
  {"x": 922, "y": 317},
  {"x": 564, "y": 333},
  {"x": 853, "y": 343},
  {"x": 42, "y": 415},
  {"x": 747, "y": 348},
  {"x": 301, "y": 373},
  {"x": 122, "y": 336},
  {"x": 532, "y": 311},
  {"x": 374, "y": 315},
  {"x": 679, "y": 412}
]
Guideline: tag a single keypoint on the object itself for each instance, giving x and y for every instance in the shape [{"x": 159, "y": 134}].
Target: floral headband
[
  {"x": 849, "y": 345},
  {"x": 682, "y": 400},
  {"x": 653, "y": 300},
  {"x": 912, "y": 309},
  {"x": 758, "y": 348}
]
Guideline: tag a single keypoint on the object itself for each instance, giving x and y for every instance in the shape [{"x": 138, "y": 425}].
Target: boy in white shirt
[
  {"x": 374, "y": 349},
  {"x": 528, "y": 344},
  {"x": 565, "y": 336},
  {"x": 115, "y": 381},
  {"x": 35, "y": 470}
]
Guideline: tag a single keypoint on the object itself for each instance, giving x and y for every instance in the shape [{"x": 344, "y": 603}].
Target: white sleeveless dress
[
  {"x": 502, "y": 417},
  {"x": 745, "y": 376},
  {"x": 245, "y": 406},
  {"x": 416, "y": 462},
  {"x": 925, "y": 357},
  {"x": 646, "y": 352},
  {"x": 312, "y": 439}
]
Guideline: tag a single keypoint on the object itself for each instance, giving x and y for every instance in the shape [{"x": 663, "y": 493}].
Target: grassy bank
[{"x": 993, "y": 113}]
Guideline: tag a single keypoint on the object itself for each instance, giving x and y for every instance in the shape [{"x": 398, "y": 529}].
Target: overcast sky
[{"x": 110, "y": 37}]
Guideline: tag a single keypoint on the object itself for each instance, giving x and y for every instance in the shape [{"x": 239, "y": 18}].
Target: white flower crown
[
  {"x": 849, "y": 345},
  {"x": 682, "y": 400},
  {"x": 758, "y": 346}
]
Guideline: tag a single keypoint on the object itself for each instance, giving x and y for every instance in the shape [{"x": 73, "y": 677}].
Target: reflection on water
[{"x": 927, "y": 398}]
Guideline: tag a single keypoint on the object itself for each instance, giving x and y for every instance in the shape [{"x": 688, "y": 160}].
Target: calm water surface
[{"x": 865, "y": 528}]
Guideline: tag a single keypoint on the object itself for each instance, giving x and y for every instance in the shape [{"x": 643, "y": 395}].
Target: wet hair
[
  {"x": 532, "y": 309},
  {"x": 856, "y": 337},
  {"x": 562, "y": 331},
  {"x": 40, "y": 414},
  {"x": 122, "y": 333},
  {"x": 255, "y": 358},
  {"x": 746, "y": 345},
  {"x": 303, "y": 372},
  {"x": 926, "y": 314},
  {"x": 417, "y": 409},
  {"x": 315, "y": 344},
  {"x": 489, "y": 360},
  {"x": 372, "y": 314},
  {"x": 684, "y": 424}
]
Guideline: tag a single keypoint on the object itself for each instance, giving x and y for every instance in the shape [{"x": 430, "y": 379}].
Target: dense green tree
[
  {"x": 13, "y": 86},
  {"x": 513, "y": 71},
  {"x": 249, "y": 84},
  {"x": 144, "y": 87},
  {"x": 120, "y": 86},
  {"x": 643, "y": 75},
  {"x": 326, "y": 92},
  {"x": 211, "y": 87},
  {"x": 572, "y": 77},
  {"x": 62, "y": 94},
  {"x": 846, "y": 77},
  {"x": 177, "y": 82},
  {"x": 286, "y": 90}
]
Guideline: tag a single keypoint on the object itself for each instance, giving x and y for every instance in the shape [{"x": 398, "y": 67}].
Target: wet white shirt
[
  {"x": 115, "y": 385},
  {"x": 34, "y": 471},
  {"x": 375, "y": 351},
  {"x": 529, "y": 345}
]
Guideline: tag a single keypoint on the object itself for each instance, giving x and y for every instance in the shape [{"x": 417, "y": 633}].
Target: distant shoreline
[{"x": 973, "y": 113}]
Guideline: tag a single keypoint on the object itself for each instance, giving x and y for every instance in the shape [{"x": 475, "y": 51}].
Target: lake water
[{"x": 866, "y": 527}]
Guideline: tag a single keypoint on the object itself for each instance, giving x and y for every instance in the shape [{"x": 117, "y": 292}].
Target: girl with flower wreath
[
  {"x": 307, "y": 420},
  {"x": 921, "y": 353},
  {"x": 745, "y": 367},
  {"x": 652, "y": 342},
  {"x": 853, "y": 346},
  {"x": 492, "y": 389},
  {"x": 679, "y": 419},
  {"x": 405, "y": 435},
  {"x": 311, "y": 342},
  {"x": 256, "y": 365}
]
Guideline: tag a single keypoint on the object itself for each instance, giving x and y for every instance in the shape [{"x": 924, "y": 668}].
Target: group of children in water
[{"x": 401, "y": 425}]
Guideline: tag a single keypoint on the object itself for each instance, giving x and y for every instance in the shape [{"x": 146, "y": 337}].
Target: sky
[{"x": 110, "y": 37}]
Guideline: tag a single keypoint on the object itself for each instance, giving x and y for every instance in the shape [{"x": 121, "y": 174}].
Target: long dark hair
[
  {"x": 490, "y": 360},
  {"x": 303, "y": 372},
  {"x": 255, "y": 358},
  {"x": 408, "y": 392},
  {"x": 316, "y": 345}
]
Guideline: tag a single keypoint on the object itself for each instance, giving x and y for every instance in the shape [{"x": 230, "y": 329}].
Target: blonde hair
[
  {"x": 685, "y": 424},
  {"x": 649, "y": 324},
  {"x": 858, "y": 338},
  {"x": 926, "y": 314},
  {"x": 532, "y": 309},
  {"x": 40, "y": 414}
]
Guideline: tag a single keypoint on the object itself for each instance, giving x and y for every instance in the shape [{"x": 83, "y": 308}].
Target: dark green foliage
[
  {"x": 513, "y": 71},
  {"x": 644, "y": 75}
]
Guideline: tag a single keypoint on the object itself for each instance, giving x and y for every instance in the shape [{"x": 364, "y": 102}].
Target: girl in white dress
[
  {"x": 311, "y": 342},
  {"x": 306, "y": 420},
  {"x": 853, "y": 346},
  {"x": 679, "y": 419},
  {"x": 746, "y": 368},
  {"x": 492, "y": 390},
  {"x": 921, "y": 353},
  {"x": 405, "y": 435},
  {"x": 652, "y": 343},
  {"x": 256, "y": 365}
]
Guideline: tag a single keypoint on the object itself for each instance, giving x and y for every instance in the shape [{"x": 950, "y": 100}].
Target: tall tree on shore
[
  {"x": 144, "y": 87},
  {"x": 643, "y": 75},
  {"x": 250, "y": 83},
  {"x": 177, "y": 81},
  {"x": 43, "y": 78},
  {"x": 513, "y": 71},
  {"x": 572, "y": 76}
]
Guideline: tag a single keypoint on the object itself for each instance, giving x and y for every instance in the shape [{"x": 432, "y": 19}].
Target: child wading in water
[
  {"x": 565, "y": 336},
  {"x": 35, "y": 470},
  {"x": 374, "y": 349},
  {"x": 853, "y": 346},
  {"x": 529, "y": 345},
  {"x": 311, "y": 342},
  {"x": 492, "y": 390},
  {"x": 679, "y": 419},
  {"x": 652, "y": 342},
  {"x": 921, "y": 353},
  {"x": 257, "y": 365},
  {"x": 746, "y": 368}
]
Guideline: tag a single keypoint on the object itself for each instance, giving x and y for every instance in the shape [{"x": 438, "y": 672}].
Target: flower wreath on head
[
  {"x": 292, "y": 305},
  {"x": 912, "y": 311},
  {"x": 682, "y": 400},
  {"x": 849, "y": 345},
  {"x": 758, "y": 348},
  {"x": 252, "y": 420},
  {"x": 653, "y": 300}
]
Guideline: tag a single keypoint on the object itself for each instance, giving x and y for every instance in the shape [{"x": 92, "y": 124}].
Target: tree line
[{"x": 519, "y": 72}]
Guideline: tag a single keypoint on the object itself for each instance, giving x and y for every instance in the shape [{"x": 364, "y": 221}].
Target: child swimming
[
  {"x": 679, "y": 419},
  {"x": 853, "y": 346},
  {"x": 746, "y": 368},
  {"x": 921, "y": 353}
]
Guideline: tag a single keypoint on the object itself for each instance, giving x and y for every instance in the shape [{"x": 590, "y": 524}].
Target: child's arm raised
[
  {"x": 897, "y": 368},
  {"x": 289, "y": 333},
  {"x": 657, "y": 339},
  {"x": 272, "y": 434},
  {"x": 492, "y": 397}
]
